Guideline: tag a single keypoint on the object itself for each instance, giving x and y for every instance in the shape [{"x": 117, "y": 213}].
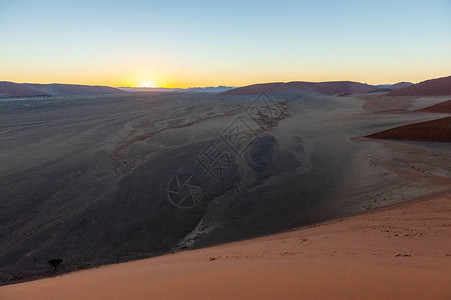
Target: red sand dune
[
  {"x": 301, "y": 87},
  {"x": 433, "y": 131},
  {"x": 11, "y": 89},
  {"x": 398, "y": 252},
  {"x": 443, "y": 107},
  {"x": 433, "y": 87}
]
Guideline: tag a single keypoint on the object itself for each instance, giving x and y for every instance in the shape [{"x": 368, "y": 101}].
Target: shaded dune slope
[
  {"x": 443, "y": 107},
  {"x": 432, "y": 131},
  {"x": 433, "y": 87}
]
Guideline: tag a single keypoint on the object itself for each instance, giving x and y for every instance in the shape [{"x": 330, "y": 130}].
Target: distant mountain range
[
  {"x": 433, "y": 87},
  {"x": 217, "y": 89},
  {"x": 11, "y": 89},
  {"x": 395, "y": 86}
]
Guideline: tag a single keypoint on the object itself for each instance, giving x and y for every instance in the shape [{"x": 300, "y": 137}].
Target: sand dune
[
  {"x": 72, "y": 89},
  {"x": 398, "y": 252},
  {"x": 11, "y": 89},
  {"x": 400, "y": 85},
  {"x": 300, "y": 87},
  {"x": 433, "y": 131},
  {"x": 100, "y": 195},
  {"x": 443, "y": 107},
  {"x": 433, "y": 87}
]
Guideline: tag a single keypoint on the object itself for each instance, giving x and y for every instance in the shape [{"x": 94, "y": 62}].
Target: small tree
[{"x": 55, "y": 262}]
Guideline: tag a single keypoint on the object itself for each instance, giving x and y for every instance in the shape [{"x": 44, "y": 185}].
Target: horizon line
[{"x": 220, "y": 85}]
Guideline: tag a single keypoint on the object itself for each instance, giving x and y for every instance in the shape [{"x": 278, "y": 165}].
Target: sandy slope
[
  {"x": 434, "y": 131},
  {"x": 432, "y": 87},
  {"x": 397, "y": 252},
  {"x": 442, "y": 107}
]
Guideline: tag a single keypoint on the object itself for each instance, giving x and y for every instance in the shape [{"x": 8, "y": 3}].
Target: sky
[{"x": 234, "y": 43}]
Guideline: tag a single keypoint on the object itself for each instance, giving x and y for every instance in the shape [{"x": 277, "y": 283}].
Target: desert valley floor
[{"x": 90, "y": 179}]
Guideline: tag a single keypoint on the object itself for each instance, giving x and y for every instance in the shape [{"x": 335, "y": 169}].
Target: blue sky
[{"x": 200, "y": 43}]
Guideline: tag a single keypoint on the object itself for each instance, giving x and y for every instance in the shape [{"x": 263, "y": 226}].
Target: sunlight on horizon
[
  {"x": 147, "y": 84},
  {"x": 268, "y": 41}
]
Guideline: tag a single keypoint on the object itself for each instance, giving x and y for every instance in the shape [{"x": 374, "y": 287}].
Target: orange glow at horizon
[
  {"x": 154, "y": 46},
  {"x": 147, "y": 84},
  {"x": 121, "y": 77}
]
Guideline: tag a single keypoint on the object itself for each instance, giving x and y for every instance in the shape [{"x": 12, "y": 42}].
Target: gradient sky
[{"x": 208, "y": 43}]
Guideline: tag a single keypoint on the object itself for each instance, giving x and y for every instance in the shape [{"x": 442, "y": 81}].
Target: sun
[{"x": 146, "y": 84}]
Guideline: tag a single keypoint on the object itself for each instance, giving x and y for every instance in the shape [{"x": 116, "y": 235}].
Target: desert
[
  {"x": 225, "y": 149},
  {"x": 398, "y": 251},
  {"x": 101, "y": 170}
]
